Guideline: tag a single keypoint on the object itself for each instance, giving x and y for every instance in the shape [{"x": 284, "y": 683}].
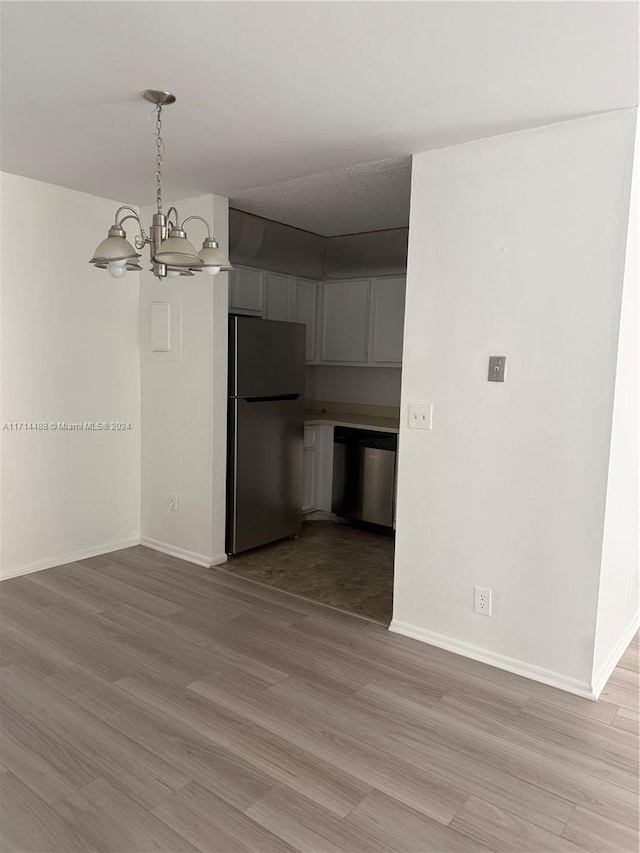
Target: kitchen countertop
[{"x": 348, "y": 419}]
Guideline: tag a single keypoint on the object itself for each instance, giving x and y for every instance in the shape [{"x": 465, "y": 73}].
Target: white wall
[
  {"x": 379, "y": 386},
  {"x": 184, "y": 407},
  {"x": 618, "y": 605},
  {"x": 514, "y": 249},
  {"x": 69, "y": 353}
]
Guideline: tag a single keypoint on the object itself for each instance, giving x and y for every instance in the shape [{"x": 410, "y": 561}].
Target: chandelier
[{"x": 172, "y": 254}]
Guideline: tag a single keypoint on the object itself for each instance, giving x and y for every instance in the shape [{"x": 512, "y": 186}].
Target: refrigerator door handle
[{"x": 275, "y": 399}]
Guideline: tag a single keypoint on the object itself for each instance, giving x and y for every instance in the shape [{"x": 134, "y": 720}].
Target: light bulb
[
  {"x": 117, "y": 269},
  {"x": 173, "y": 273},
  {"x": 211, "y": 270}
]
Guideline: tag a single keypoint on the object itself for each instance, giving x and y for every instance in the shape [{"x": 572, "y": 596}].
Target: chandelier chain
[{"x": 159, "y": 153}]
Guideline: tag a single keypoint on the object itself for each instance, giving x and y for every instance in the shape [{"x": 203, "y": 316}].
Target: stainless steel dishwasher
[{"x": 364, "y": 475}]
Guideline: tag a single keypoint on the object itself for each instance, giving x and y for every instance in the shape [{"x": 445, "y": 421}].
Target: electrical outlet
[
  {"x": 173, "y": 502},
  {"x": 482, "y": 600}
]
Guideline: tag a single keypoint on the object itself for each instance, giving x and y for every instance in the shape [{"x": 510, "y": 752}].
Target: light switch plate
[
  {"x": 497, "y": 364},
  {"x": 420, "y": 415}
]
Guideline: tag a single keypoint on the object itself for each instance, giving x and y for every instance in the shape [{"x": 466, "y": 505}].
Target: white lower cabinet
[
  {"x": 309, "y": 469},
  {"x": 317, "y": 468}
]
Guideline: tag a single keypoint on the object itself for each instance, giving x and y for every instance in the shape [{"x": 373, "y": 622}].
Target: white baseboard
[
  {"x": 518, "y": 667},
  {"x": 183, "y": 554},
  {"x": 600, "y": 681},
  {"x": 70, "y": 557}
]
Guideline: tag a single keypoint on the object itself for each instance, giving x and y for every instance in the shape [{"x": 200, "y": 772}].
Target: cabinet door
[
  {"x": 278, "y": 296},
  {"x": 309, "y": 469},
  {"x": 345, "y": 321},
  {"x": 304, "y": 311},
  {"x": 246, "y": 291},
  {"x": 309, "y": 480},
  {"x": 387, "y": 320}
]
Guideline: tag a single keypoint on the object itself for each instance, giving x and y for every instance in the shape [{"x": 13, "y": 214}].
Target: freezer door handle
[{"x": 275, "y": 399}]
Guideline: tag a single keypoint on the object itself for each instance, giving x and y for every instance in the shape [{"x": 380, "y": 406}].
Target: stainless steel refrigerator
[{"x": 266, "y": 431}]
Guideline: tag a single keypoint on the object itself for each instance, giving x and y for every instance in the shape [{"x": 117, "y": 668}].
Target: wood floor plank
[
  {"x": 173, "y": 588},
  {"x": 404, "y": 829},
  {"x": 280, "y": 758},
  {"x": 601, "y": 710},
  {"x": 28, "y": 651},
  {"x": 600, "y": 835},
  {"x": 119, "y": 592},
  {"x": 623, "y": 689},
  {"x": 26, "y": 589},
  {"x": 106, "y": 751},
  {"x": 505, "y": 833},
  {"x": 36, "y": 756},
  {"x": 583, "y": 734},
  {"x": 217, "y": 767},
  {"x": 631, "y": 658},
  {"x": 115, "y": 823},
  {"x": 29, "y": 825},
  {"x": 402, "y": 730},
  {"x": 531, "y": 732},
  {"x": 627, "y": 719},
  {"x": 137, "y": 645},
  {"x": 48, "y": 630},
  {"x": 405, "y": 729},
  {"x": 417, "y": 674},
  {"x": 409, "y": 784},
  {"x": 570, "y": 783},
  {"x": 213, "y": 826},
  {"x": 309, "y": 828}
]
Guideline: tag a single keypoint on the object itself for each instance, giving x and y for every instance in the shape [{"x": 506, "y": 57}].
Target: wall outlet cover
[{"x": 482, "y": 600}]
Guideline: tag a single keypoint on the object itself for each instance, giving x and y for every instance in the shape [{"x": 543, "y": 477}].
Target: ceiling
[
  {"x": 365, "y": 197},
  {"x": 268, "y": 92}
]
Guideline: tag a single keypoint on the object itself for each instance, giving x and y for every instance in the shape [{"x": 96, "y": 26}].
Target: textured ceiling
[
  {"x": 366, "y": 197},
  {"x": 270, "y": 91}
]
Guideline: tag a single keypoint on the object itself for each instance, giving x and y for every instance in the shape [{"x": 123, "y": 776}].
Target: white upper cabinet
[
  {"x": 278, "y": 289},
  {"x": 246, "y": 291},
  {"x": 345, "y": 321},
  {"x": 351, "y": 321},
  {"x": 304, "y": 310},
  {"x": 387, "y": 320}
]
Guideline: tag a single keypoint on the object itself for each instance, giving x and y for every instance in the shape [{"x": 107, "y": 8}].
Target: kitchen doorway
[{"x": 338, "y": 564}]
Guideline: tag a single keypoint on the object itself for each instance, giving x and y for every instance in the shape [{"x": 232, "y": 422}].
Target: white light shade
[
  {"x": 210, "y": 270},
  {"x": 115, "y": 247},
  {"x": 177, "y": 251},
  {"x": 212, "y": 255}
]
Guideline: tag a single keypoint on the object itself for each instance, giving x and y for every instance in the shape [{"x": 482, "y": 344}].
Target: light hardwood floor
[{"x": 151, "y": 705}]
